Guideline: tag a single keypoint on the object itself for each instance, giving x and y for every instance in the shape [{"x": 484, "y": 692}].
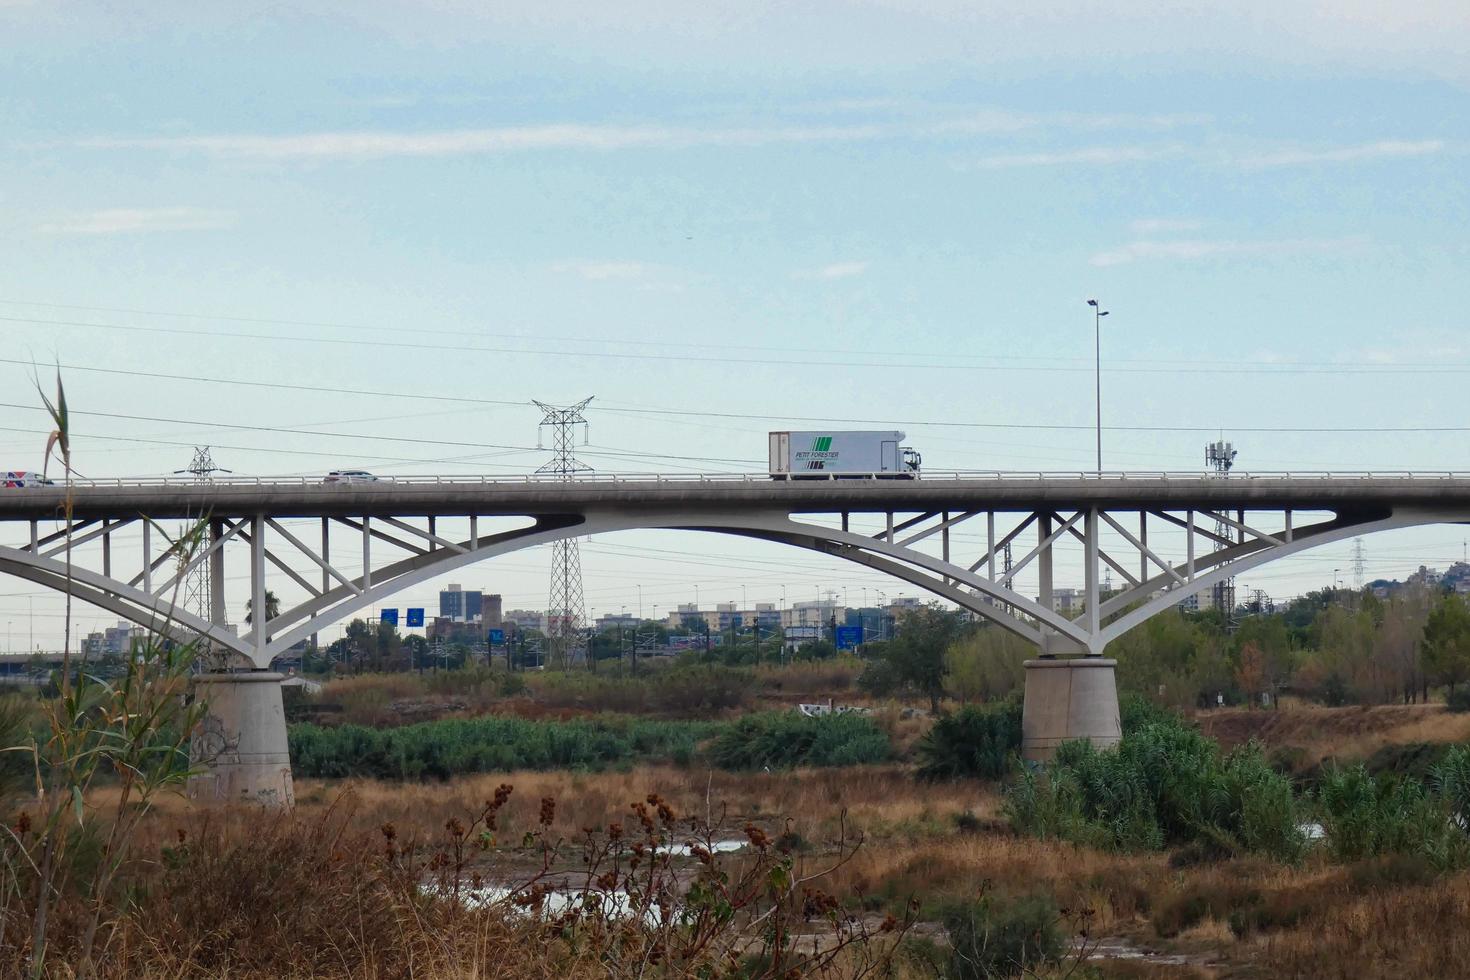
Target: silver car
[{"x": 350, "y": 476}]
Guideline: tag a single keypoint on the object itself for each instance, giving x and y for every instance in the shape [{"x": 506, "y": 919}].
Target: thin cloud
[
  {"x": 1163, "y": 226},
  {"x": 1106, "y": 156},
  {"x": 368, "y": 144},
  {"x": 1202, "y": 249},
  {"x": 835, "y": 270},
  {"x": 377, "y": 144},
  {"x": 1126, "y": 120},
  {"x": 1381, "y": 150},
  {"x": 605, "y": 271},
  {"x": 1003, "y": 121},
  {"x": 129, "y": 221}
]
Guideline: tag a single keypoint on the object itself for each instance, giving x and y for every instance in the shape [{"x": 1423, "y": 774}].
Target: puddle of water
[
  {"x": 615, "y": 904},
  {"x": 612, "y": 905},
  {"x": 687, "y": 849},
  {"x": 1118, "y": 948}
]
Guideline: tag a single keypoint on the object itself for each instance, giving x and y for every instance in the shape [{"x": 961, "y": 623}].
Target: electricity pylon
[{"x": 566, "y": 611}]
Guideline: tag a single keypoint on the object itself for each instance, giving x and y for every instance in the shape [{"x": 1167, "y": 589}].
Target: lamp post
[{"x": 1097, "y": 314}]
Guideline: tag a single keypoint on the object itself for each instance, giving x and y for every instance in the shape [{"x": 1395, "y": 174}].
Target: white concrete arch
[{"x": 892, "y": 552}]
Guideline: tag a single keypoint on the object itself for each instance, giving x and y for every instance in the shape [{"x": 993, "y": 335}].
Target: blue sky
[{"x": 890, "y": 211}]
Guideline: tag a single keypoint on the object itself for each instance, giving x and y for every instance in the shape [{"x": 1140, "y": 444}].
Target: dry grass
[
  {"x": 960, "y": 866},
  {"x": 881, "y": 802},
  {"x": 1319, "y": 733},
  {"x": 1405, "y": 932},
  {"x": 1246, "y": 916}
]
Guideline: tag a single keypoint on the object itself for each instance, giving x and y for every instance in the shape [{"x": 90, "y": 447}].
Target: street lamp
[{"x": 1097, "y": 314}]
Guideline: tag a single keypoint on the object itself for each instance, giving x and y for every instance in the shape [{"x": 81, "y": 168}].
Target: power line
[
  {"x": 787, "y": 362},
  {"x": 758, "y": 417},
  {"x": 420, "y": 440},
  {"x": 1272, "y": 366}
]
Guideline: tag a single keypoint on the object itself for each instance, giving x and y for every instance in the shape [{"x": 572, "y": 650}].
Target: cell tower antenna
[
  {"x": 197, "y": 585},
  {"x": 566, "y": 611},
  {"x": 1220, "y": 458}
]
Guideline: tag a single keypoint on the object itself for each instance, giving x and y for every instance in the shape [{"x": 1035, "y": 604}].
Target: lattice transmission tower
[
  {"x": 1360, "y": 564},
  {"x": 196, "y": 587},
  {"x": 1220, "y": 457},
  {"x": 1007, "y": 581},
  {"x": 566, "y": 611}
]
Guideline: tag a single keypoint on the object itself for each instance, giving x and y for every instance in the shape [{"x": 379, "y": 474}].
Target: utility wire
[
  {"x": 1191, "y": 362},
  {"x": 803, "y": 364},
  {"x": 749, "y": 416}
]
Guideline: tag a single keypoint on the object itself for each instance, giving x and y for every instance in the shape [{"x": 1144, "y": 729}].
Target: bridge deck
[{"x": 489, "y": 496}]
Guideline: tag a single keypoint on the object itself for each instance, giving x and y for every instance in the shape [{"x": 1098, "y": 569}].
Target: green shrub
[
  {"x": 785, "y": 739},
  {"x": 18, "y": 718},
  {"x": 1459, "y": 699},
  {"x": 1364, "y": 816},
  {"x": 974, "y": 741},
  {"x": 1451, "y": 782},
  {"x": 1162, "y": 785},
  {"x": 1136, "y": 711},
  {"x": 689, "y": 690},
  {"x": 441, "y": 749},
  {"x": 995, "y": 938}
]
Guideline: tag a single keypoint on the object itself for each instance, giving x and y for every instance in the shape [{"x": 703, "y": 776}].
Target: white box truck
[{"x": 826, "y": 455}]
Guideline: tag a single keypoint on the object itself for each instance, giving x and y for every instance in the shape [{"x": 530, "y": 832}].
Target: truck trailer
[{"x": 827, "y": 455}]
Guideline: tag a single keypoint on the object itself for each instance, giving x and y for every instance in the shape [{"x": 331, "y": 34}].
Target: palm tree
[{"x": 272, "y": 607}]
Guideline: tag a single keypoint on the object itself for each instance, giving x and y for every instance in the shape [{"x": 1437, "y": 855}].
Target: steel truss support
[{"x": 410, "y": 554}]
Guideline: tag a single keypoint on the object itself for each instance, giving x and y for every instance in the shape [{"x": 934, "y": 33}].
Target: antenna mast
[{"x": 566, "y": 610}]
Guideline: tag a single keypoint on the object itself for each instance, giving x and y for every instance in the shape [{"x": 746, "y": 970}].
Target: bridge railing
[{"x": 757, "y": 478}]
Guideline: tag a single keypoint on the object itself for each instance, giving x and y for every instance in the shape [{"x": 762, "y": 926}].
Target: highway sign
[
  {"x": 389, "y": 616},
  {"x": 497, "y": 637},
  {"x": 849, "y": 637},
  {"x": 415, "y": 617}
]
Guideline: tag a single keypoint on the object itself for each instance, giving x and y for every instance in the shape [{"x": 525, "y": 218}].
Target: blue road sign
[
  {"x": 497, "y": 637},
  {"x": 415, "y": 617},
  {"x": 389, "y": 616},
  {"x": 849, "y": 637}
]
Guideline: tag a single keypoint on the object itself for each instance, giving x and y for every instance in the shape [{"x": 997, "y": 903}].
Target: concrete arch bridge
[{"x": 333, "y": 550}]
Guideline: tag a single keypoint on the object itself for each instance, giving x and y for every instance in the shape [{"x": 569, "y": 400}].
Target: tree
[
  {"x": 915, "y": 658},
  {"x": 986, "y": 665},
  {"x": 1447, "y": 642},
  {"x": 1399, "y": 643},
  {"x": 1250, "y": 671},
  {"x": 417, "y": 649},
  {"x": 272, "y": 607}
]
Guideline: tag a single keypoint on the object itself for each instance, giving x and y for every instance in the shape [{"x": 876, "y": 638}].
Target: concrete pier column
[
  {"x": 1068, "y": 699},
  {"x": 242, "y": 740}
]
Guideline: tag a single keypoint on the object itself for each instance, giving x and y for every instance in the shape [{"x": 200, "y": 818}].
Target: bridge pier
[
  {"x": 241, "y": 742},
  {"x": 1067, "y": 699}
]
